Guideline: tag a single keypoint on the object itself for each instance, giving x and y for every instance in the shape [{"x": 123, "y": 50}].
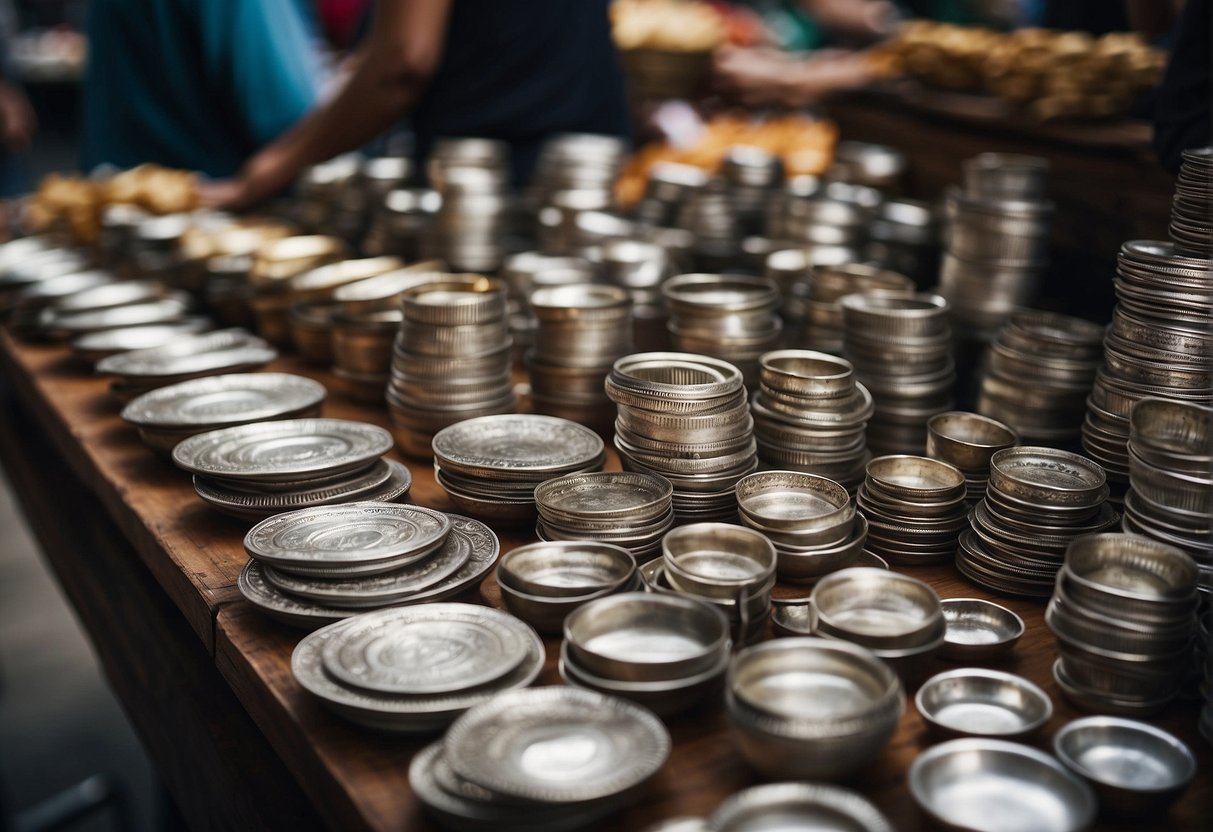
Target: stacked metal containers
[
  {"x": 731, "y": 317},
  {"x": 472, "y": 175},
  {"x": 641, "y": 268},
  {"x": 1191, "y": 227},
  {"x": 827, "y": 286}
]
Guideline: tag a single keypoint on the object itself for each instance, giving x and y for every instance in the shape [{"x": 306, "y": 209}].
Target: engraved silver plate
[
  {"x": 384, "y": 481},
  {"x": 430, "y": 648},
  {"x": 224, "y": 400},
  {"x": 516, "y": 446},
  {"x": 557, "y": 745},
  {"x": 347, "y": 535},
  {"x": 290, "y": 449},
  {"x": 605, "y": 495}
]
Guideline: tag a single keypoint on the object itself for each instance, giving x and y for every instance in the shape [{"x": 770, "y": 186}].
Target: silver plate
[
  {"x": 273, "y": 451},
  {"x": 224, "y": 400},
  {"x": 606, "y": 495},
  {"x": 516, "y": 444},
  {"x": 300, "y": 612},
  {"x": 347, "y": 535},
  {"x": 431, "y": 648},
  {"x": 185, "y": 355},
  {"x": 97, "y": 345},
  {"x": 557, "y": 745},
  {"x": 384, "y": 481}
]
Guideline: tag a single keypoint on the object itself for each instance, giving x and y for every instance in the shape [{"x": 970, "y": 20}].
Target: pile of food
[
  {"x": 1051, "y": 74},
  {"x": 675, "y": 25}
]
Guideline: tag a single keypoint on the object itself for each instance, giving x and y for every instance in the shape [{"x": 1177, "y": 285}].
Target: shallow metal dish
[
  {"x": 978, "y": 629},
  {"x": 976, "y": 784},
  {"x": 797, "y": 806},
  {"x": 807, "y": 374},
  {"x": 876, "y": 608},
  {"x": 916, "y": 477},
  {"x": 560, "y": 569},
  {"x": 1135, "y": 767},
  {"x": 1047, "y": 475},
  {"x": 790, "y": 500},
  {"x": 975, "y": 702}
]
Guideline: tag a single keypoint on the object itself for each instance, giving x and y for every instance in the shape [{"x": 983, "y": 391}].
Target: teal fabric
[{"x": 194, "y": 84}]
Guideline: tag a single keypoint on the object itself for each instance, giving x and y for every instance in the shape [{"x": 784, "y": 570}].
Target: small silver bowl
[
  {"x": 877, "y": 609},
  {"x": 1133, "y": 569},
  {"x": 793, "y": 501},
  {"x": 975, "y": 784},
  {"x": 646, "y": 637},
  {"x": 663, "y": 697},
  {"x": 978, "y": 630},
  {"x": 973, "y": 702},
  {"x": 560, "y": 569},
  {"x": 803, "y": 565},
  {"x": 967, "y": 440},
  {"x": 916, "y": 478},
  {"x": 544, "y": 613},
  {"x": 717, "y": 560},
  {"x": 797, "y": 806},
  {"x": 807, "y": 373},
  {"x": 1136, "y": 769}
]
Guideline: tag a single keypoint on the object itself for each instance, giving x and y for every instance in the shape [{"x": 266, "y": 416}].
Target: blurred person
[
  {"x": 18, "y": 123},
  {"x": 194, "y": 84},
  {"x": 519, "y": 71}
]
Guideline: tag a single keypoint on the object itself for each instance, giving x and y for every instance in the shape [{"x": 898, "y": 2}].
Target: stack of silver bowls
[
  {"x": 904, "y": 238},
  {"x": 1191, "y": 228},
  {"x": 528, "y": 271},
  {"x": 825, "y": 325},
  {"x": 1160, "y": 344},
  {"x": 792, "y": 271},
  {"x": 967, "y": 441},
  {"x": 660, "y": 650},
  {"x": 490, "y": 466},
  {"x": 810, "y": 415},
  {"x": 1170, "y": 494},
  {"x": 542, "y": 583},
  {"x": 451, "y": 360},
  {"x": 582, "y": 330},
  {"x": 709, "y": 214},
  {"x": 685, "y": 417},
  {"x": 996, "y": 237},
  {"x": 750, "y": 175},
  {"x": 810, "y": 708},
  {"x": 916, "y": 509},
  {"x": 819, "y": 220},
  {"x": 669, "y": 187},
  {"x": 191, "y": 356},
  {"x": 641, "y": 267},
  {"x": 1039, "y": 371},
  {"x": 577, "y": 162},
  {"x": 810, "y": 520},
  {"x": 470, "y": 227},
  {"x": 726, "y": 316},
  {"x": 868, "y": 164},
  {"x": 399, "y": 223},
  {"x": 624, "y": 508},
  {"x": 901, "y": 348},
  {"x": 312, "y": 304},
  {"x": 1123, "y": 613},
  {"x": 111, "y": 306},
  {"x": 1038, "y": 500}
]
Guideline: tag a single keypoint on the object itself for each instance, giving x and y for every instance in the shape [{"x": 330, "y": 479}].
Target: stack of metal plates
[
  {"x": 415, "y": 669},
  {"x": 451, "y": 360},
  {"x": 315, "y": 600},
  {"x": 112, "y": 306},
  {"x": 1160, "y": 344},
  {"x": 916, "y": 508},
  {"x": 1191, "y": 227},
  {"x": 582, "y": 330},
  {"x": 731, "y": 317},
  {"x": 181, "y": 359},
  {"x": 25, "y": 302},
  {"x": 254, "y": 470},
  {"x": 540, "y": 760},
  {"x": 901, "y": 348},
  {"x": 627, "y": 509},
  {"x": 490, "y": 466},
  {"x": 528, "y": 271},
  {"x": 1039, "y": 371},
  {"x": 1038, "y": 501},
  {"x": 1171, "y": 478},
  {"x": 810, "y": 415},
  {"x": 470, "y": 225},
  {"x": 685, "y": 417},
  {"x": 91, "y": 347},
  {"x": 167, "y": 415},
  {"x": 1123, "y": 613}
]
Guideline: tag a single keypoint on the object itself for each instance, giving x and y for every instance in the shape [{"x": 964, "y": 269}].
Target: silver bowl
[
  {"x": 797, "y": 806},
  {"x": 663, "y": 697},
  {"x": 802, "y": 565},
  {"x": 717, "y": 560},
  {"x": 973, "y": 702},
  {"x": 967, "y": 440},
  {"x": 978, "y": 630},
  {"x": 793, "y": 501},
  {"x": 545, "y": 613},
  {"x": 876, "y": 608},
  {"x": 976, "y": 784},
  {"x": 560, "y": 569},
  {"x": 916, "y": 478},
  {"x": 1135, "y": 573},
  {"x": 1136, "y": 769},
  {"x": 807, "y": 374}
]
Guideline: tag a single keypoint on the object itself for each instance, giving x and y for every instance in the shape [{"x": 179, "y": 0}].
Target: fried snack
[{"x": 675, "y": 25}]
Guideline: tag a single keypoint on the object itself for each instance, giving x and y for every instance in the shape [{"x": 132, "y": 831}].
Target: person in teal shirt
[{"x": 194, "y": 84}]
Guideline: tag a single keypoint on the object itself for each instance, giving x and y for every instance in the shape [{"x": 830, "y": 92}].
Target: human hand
[{"x": 17, "y": 120}]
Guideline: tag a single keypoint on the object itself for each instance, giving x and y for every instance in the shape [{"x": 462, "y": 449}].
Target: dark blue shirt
[
  {"x": 521, "y": 70},
  {"x": 194, "y": 84}
]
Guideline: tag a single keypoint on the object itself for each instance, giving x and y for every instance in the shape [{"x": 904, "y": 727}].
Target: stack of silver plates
[
  {"x": 25, "y": 305},
  {"x": 29, "y": 260},
  {"x": 1160, "y": 344},
  {"x": 810, "y": 415},
  {"x": 167, "y": 415},
  {"x": 181, "y": 359},
  {"x": 491, "y": 465},
  {"x": 1191, "y": 228},
  {"x": 916, "y": 509},
  {"x": 641, "y": 267},
  {"x": 709, "y": 215},
  {"x": 470, "y": 226},
  {"x": 810, "y": 520},
  {"x": 828, "y": 285},
  {"x": 415, "y": 669},
  {"x": 112, "y": 306},
  {"x": 451, "y": 360},
  {"x": 751, "y": 174},
  {"x": 1123, "y": 613},
  {"x": 685, "y": 417},
  {"x": 669, "y": 187},
  {"x": 904, "y": 238},
  {"x": 1038, "y": 501},
  {"x": 469, "y": 542},
  {"x": 539, "y": 760},
  {"x": 582, "y": 330},
  {"x": 627, "y": 509},
  {"x": 577, "y": 162},
  {"x": 731, "y": 317},
  {"x": 1038, "y": 373},
  {"x": 258, "y": 469},
  {"x": 901, "y": 348},
  {"x": 94, "y": 346},
  {"x": 1171, "y": 478},
  {"x": 815, "y": 218}
]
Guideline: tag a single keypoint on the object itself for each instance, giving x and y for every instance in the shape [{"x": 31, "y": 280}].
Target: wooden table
[{"x": 206, "y": 678}]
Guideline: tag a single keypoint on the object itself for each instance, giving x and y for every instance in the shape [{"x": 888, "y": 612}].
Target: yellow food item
[{"x": 677, "y": 25}]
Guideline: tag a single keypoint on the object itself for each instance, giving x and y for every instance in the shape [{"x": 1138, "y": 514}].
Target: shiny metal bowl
[
  {"x": 916, "y": 478},
  {"x": 974, "y": 702},
  {"x": 808, "y": 374},
  {"x": 1136, "y": 570},
  {"x": 803, "y": 564},
  {"x": 876, "y": 608},
  {"x": 543, "y": 612},
  {"x": 797, "y": 806},
  {"x": 967, "y": 440},
  {"x": 793, "y": 501},
  {"x": 561, "y": 569},
  {"x": 717, "y": 560},
  {"x": 978, "y": 630}
]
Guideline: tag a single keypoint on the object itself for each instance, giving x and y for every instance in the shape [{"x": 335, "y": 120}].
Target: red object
[{"x": 339, "y": 19}]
